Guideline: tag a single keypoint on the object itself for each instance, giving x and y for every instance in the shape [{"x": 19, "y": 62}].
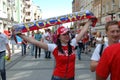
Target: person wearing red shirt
[
  {"x": 63, "y": 51},
  {"x": 86, "y": 43},
  {"x": 109, "y": 63}
]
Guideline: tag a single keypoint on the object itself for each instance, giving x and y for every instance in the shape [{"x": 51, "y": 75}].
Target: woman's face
[
  {"x": 98, "y": 34},
  {"x": 64, "y": 38}
]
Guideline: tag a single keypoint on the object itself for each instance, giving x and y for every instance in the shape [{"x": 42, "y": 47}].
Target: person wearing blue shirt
[{"x": 38, "y": 37}]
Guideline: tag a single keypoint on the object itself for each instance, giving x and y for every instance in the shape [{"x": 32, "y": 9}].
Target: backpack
[{"x": 101, "y": 49}]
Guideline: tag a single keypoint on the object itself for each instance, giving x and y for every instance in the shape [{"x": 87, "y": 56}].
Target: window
[
  {"x": 107, "y": 8},
  {"x": 112, "y": 6},
  {"x": 119, "y": 15},
  {"x": 4, "y": 8},
  {"x": 119, "y": 4},
  {"x": 103, "y": 9}
]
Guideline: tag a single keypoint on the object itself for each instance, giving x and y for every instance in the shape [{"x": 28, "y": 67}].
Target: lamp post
[
  {"x": 101, "y": 12},
  {"x": 112, "y": 12},
  {"x": 112, "y": 15},
  {"x": 12, "y": 37}
]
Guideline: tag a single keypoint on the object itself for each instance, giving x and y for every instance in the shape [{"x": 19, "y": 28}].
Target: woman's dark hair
[
  {"x": 59, "y": 45},
  {"x": 69, "y": 48}
]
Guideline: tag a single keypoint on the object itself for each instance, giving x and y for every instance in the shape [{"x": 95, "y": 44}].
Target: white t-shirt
[
  {"x": 44, "y": 37},
  {"x": 105, "y": 39},
  {"x": 99, "y": 39},
  {"x": 3, "y": 42},
  {"x": 96, "y": 55},
  {"x": 80, "y": 41}
]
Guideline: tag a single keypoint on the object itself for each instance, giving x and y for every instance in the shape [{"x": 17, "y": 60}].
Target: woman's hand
[
  {"x": 15, "y": 31},
  {"x": 93, "y": 20},
  {"x": 89, "y": 22}
]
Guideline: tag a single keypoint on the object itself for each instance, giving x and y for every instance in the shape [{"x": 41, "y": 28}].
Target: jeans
[
  {"x": 36, "y": 49},
  {"x": 32, "y": 49},
  {"x": 23, "y": 49},
  {"x": 2, "y": 65},
  {"x": 58, "y": 78},
  {"x": 79, "y": 53},
  {"x": 47, "y": 54}
]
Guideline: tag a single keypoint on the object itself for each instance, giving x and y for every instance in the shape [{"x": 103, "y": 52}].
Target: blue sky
[{"x": 54, "y": 8}]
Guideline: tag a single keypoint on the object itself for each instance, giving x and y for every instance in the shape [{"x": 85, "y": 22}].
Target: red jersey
[
  {"x": 65, "y": 65},
  {"x": 110, "y": 63},
  {"x": 85, "y": 39}
]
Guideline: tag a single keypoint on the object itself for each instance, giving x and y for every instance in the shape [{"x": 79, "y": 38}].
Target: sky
[{"x": 54, "y": 8}]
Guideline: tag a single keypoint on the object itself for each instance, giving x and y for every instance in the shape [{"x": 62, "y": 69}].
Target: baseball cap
[{"x": 61, "y": 30}]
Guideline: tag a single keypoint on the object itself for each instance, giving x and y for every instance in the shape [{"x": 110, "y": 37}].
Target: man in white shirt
[
  {"x": 113, "y": 33},
  {"x": 3, "y": 46},
  {"x": 47, "y": 38}
]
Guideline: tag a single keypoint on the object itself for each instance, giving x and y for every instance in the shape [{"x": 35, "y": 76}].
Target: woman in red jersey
[{"x": 63, "y": 51}]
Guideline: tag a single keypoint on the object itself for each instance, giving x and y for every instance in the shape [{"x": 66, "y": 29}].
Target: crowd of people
[
  {"x": 83, "y": 46},
  {"x": 63, "y": 50},
  {"x": 65, "y": 44}
]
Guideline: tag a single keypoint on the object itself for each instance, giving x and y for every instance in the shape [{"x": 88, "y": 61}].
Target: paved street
[{"x": 29, "y": 68}]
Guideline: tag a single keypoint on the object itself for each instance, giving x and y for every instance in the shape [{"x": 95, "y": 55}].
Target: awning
[
  {"x": 119, "y": 23},
  {"x": 7, "y": 33}
]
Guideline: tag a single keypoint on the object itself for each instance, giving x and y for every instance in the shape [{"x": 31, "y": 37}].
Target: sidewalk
[{"x": 15, "y": 57}]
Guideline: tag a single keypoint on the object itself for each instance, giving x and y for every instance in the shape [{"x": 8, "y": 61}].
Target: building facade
[
  {"x": 81, "y": 6},
  {"x": 17, "y": 11},
  {"x": 104, "y": 10},
  {"x": 3, "y": 14}
]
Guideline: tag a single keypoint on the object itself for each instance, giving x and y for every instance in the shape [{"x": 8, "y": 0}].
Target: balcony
[
  {"x": 27, "y": 10},
  {"x": 28, "y": 3},
  {"x": 27, "y": 17}
]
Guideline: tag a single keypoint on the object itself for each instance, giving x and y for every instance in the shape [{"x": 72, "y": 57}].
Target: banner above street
[{"x": 35, "y": 25}]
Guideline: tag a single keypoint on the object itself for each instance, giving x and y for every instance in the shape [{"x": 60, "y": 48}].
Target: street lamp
[
  {"x": 112, "y": 15},
  {"x": 101, "y": 12},
  {"x": 112, "y": 12},
  {"x": 12, "y": 37}
]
